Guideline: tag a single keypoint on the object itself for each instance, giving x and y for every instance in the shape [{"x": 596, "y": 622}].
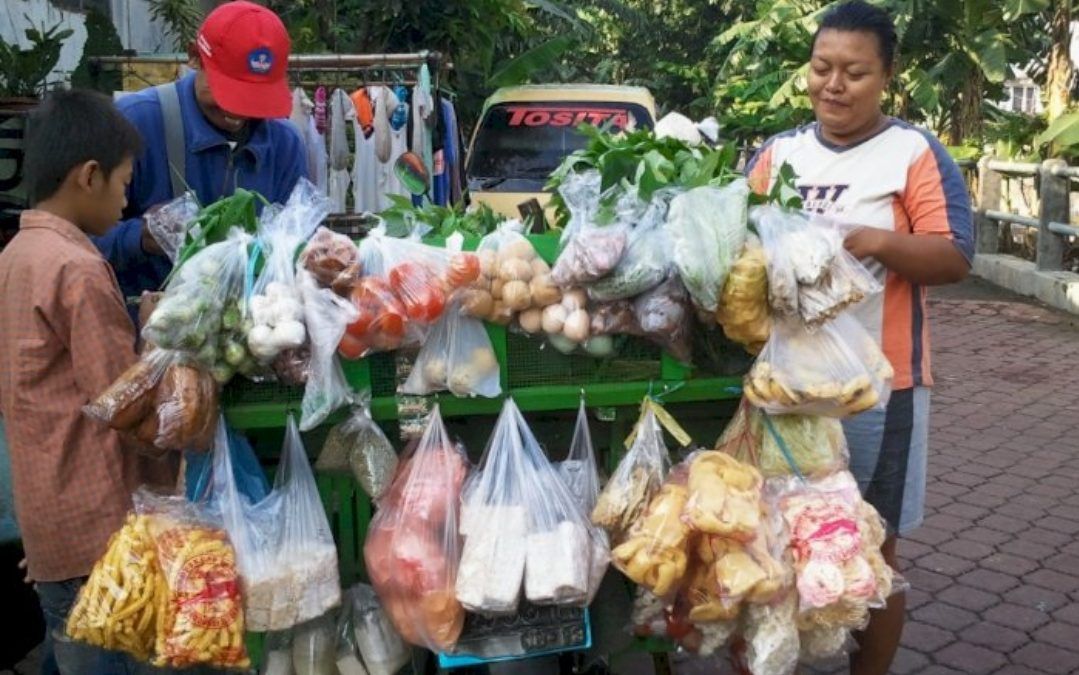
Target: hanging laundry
[
  {"x": 453, "y": 149},
  {"x": 423, "y": 109},
  {"x": 399, "y": 119},
  {"x": 314, "y": 143},
  {"x": 341, "y": 113},
  {"x": 364, "y": 167},
  {"x": 365, "y": 114},
  {"x": 383, "y": 110},
  {"x": 388, "y": 182},
  {"x": 321, "y": 121}
]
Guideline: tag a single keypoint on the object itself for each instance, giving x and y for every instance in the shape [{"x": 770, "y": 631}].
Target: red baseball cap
[{"x": 244, "y": 50}]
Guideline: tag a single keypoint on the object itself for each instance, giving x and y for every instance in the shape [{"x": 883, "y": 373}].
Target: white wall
[
  {"x": 13, "y": 25},
  {"x": 137, "y": 30}
]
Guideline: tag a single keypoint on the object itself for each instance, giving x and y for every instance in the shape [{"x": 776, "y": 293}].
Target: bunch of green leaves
[
  {"x": 23, "y": 71},
  {"x": 643, "y": 163},
  {"x": 214, "y": 222},
  {"x": 403, "y": 217}
]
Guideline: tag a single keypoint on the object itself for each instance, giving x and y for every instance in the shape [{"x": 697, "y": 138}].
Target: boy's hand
[
  {"x": 27, "y": 579},
  {"x": 147, "y": 305}
]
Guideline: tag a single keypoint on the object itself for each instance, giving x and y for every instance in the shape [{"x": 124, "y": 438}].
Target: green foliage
[
  {"x": 23, "y": 71},
  {"x": 640, "y": 162},
  {"x": 402, "y": 218},
  {"x": 183, "y": 18},
  {"x": 101, "y": 40}
]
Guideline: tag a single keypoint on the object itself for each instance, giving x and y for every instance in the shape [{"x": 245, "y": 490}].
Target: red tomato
[
  {"x": 351, "y": 347},
  {"x": 464, "y": 269}
]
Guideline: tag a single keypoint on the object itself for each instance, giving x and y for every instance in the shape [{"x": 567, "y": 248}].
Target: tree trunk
[
  {"x": 966, "y": 110},
  {"x": 1059, "y": 75}
]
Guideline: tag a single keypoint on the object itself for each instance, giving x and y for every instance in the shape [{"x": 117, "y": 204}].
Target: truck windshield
[{"x": 529, "y": 140}]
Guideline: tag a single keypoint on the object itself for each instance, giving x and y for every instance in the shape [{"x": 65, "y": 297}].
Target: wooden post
[
  {"x": 1054, "y": 193},
  {"x": 986, "y": 231}
]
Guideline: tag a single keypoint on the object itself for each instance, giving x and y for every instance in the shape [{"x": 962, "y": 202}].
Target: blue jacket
[{"x": 270, "y": 163}]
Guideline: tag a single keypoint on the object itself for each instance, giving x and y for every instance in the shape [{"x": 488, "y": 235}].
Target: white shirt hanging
[{"x": 341, "y": 112}]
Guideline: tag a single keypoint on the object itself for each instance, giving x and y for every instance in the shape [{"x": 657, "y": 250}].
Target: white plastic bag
[
  {"x": 646, "y": 260},
  {"x": 327, "y": 315},
  {"x": 380, "y": 645},
  {"x": 202, "y": 310},
  {"x": 810, "y": 273},
  {"x": 837, "y": 370},
  {"x": 275, "y": 306},
  {"x": 579, "y": 470},
  {"x": 638, "y": 477},
  {"x": 523, "y": 529},
  {"x": 457, "y": 356},
  {"x": 707, "y": 227},
  {"x": 168, "y": 224},
  {"x": 284, "y": 547},
  {"x": 589, "y": 251},
  {"x": 413, "y": 547},
  {"x": 358, "y": 445},
  {"x": 313, "y": 647}
]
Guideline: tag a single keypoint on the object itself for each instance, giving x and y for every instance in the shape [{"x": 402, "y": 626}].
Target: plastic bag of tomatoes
[{"x": 405, "y": 291}]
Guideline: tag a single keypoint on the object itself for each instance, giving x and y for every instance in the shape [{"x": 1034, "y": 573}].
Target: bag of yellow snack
[
  {"x": 836, "y": 370},
  {"x": 640, "y": 473},
  {"x": 743, "y": 309},
  {"x": 654, "y": 553},
  {"x": 115, "y": 608},
  {"x": 724, "y": 496},
  {"x": 199, "y": 618}
]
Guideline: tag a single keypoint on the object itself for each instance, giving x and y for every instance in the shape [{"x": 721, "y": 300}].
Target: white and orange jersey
[{"x": 900, "y": 179}]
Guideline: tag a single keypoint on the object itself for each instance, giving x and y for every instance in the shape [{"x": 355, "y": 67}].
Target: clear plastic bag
[
  {"x": 248, "y": 472},
  {"x": 523, "y": 529},
  {"x": 457, "y": 356},
  {"x": 665, "y": 316},
  {"x": 193, "y": 553},
  {"x": 512, "y": 280},
  {"x": 358, "y": 445},
  {"x": 806, "y": 445},
  {"x": 837, "y": 370},
  {"x": 834, "y": 540},
  {"x": 277, "y": 654},
  {"x": 637, "y": 478},
  {"x": 707, "y": 227},
  {"x": 413, "y": 547},
  {"x": 743, "y": 309},
  {"x": 380, "y": 645},
  {"x": 772, "y": 637},
  {"x": 579, "y": 471},
  {"x": 646, "y": 261},
  {"x": 165, "y": 401},
  {"x": 168, "y": 224},
  {"x": 589, "y": 251},
  {"x": 327, "y": 315},
  {"x": 275, "y": 310},
  {"x": 284, "y": 546},
  {"x": 313, "y": 647},
  {"x": 654, "y": 552},
  {"x": 332, "y": 259},
  {"x": 810, "y": 274},
  {"x": 202, "y": 310},
  {"x": 724, "y": 496}
]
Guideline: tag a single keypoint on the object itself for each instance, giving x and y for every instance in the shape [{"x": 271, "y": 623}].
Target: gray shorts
[{"x": 888, "y": 456}]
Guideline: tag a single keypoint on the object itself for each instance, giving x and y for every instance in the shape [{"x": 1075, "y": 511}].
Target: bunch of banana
[{"x": 115, "y": 609}]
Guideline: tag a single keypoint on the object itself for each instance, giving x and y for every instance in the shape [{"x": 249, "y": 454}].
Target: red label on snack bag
[{"x": 562, "y": 116}]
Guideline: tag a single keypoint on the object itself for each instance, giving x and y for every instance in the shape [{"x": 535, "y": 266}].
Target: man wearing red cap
[{"x": 214, "y": 130}]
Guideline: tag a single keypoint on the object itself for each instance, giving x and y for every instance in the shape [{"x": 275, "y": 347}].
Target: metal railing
[{"x": 1055, "y": 233}]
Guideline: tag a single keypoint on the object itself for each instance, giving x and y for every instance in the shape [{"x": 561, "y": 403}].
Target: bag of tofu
[{"x": 523, "y": 529}]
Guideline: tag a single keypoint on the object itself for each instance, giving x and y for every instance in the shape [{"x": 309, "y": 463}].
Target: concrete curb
[{"x": 1056, "y": 289}]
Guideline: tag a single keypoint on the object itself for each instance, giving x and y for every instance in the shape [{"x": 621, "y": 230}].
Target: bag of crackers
[{"x": 166, "y": 591}]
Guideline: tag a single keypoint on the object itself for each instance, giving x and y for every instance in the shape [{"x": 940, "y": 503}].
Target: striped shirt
[
  {"x": 899, "y": 179},
  {"x": 64, "y": 337}
]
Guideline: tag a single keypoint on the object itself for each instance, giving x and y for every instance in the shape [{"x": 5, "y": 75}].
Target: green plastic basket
[{"x": 533, "y": 362}]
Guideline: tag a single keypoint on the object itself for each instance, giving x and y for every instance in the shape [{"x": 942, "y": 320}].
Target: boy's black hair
[
  {"x": 858, "y": 15},
  {"x": 68, "y": 129}
]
